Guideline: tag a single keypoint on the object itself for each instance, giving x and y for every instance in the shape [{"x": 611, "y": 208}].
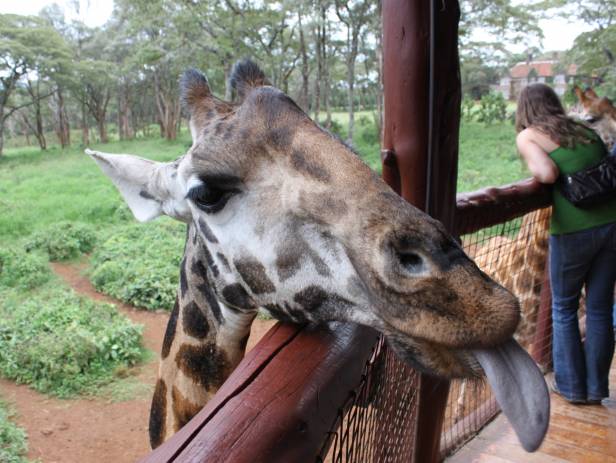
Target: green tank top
[{"x": 566, "y": 218}]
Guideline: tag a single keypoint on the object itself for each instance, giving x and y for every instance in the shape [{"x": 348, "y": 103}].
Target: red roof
[{"x": 543, "y": 69}]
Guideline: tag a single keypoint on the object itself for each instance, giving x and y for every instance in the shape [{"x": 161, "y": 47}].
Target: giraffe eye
[{"x": 209, "y": 198}]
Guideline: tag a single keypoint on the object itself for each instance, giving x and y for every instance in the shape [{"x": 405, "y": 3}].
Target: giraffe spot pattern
[
  {"x": 158, "y": 414},
  {"x": 223, "y": 260},
  {"x": 314, "y": 298},
  {"x": 170, "y": 331},
  {"x": 194, "y": 321},
  {"x": 199, "y": 269},
  {"x": 183, "y": 279},
  {"x": 206, "y": 291},
  {"x": 183, "y": 409},
  {"x": 288, "y": 259},
  {"x": 254, "y": 275},
  {"x": 204, "y": 364},
  {"x": 280, "y": 137},
  {"x": 308, "y": 167},
  {"x": 278, "y": 313},
  {"x": 146, "y": 195},
  {"x": 207, "y": 231},
  {"x": 237, "y": 297}
]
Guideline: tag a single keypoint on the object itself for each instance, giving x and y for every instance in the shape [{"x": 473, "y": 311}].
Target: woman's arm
[{"x": 539, "y": 163}]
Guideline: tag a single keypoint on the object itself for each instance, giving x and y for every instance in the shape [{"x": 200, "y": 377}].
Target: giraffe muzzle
[{"x": 520, "y": 390}]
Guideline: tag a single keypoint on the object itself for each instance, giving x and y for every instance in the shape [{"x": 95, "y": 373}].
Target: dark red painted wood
[
  {"x": 493, "y": 205},
  {"x": 283, "y": 414}
]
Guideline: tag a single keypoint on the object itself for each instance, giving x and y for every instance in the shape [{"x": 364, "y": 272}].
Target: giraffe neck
[
  {"x": 524, "y": 269},
  {"x": 204, "y": 342}
]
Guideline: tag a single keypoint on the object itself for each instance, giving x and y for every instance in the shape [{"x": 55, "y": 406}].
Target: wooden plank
[{"x": 577, "y": 433}]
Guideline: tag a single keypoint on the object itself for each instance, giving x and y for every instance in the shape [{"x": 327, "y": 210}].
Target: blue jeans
[{"x": 585, "y": 257}]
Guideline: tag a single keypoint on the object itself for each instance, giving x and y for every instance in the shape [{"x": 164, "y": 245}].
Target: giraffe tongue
[{"x": 520, "y": 390}]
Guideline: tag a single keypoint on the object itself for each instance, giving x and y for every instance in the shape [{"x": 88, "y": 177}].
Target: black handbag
[{"x": 591, "y": 186}]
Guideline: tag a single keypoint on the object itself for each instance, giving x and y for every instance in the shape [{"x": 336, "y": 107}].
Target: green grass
[
  {"x": 488, "y": 156},
  {"x": 13, "y": 442},
  {"x": 38, "y": 189},
  {"x": 61, "y": 343}
]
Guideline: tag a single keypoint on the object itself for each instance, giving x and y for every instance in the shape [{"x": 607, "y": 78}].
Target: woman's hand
[{"x": 533, "y": 147}]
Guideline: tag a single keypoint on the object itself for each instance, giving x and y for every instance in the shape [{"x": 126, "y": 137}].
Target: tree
[
  {"x": 355, "y": 16},
  {"x": 595, "y": 51},
  {"x": 28, "y": 46}
]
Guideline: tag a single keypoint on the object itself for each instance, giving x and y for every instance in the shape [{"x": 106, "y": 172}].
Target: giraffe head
[
  {"x": 599, "y": 113},
  {"x": 290, "y": 219}
]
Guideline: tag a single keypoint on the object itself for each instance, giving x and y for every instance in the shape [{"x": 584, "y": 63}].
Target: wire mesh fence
[{"x": 377, "y": 422}]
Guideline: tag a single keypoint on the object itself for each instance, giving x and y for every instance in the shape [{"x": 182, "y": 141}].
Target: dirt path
[{"x": 95, "y": 430}]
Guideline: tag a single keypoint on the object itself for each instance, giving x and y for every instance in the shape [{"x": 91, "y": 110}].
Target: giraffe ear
[
  {"x": 245, "y": 76},
  {"x": 149, "y": 188},
  {"x": 195, "y": 91}
]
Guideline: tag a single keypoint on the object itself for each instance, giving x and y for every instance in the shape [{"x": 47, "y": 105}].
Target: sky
[{"x": 559, "y": 33}]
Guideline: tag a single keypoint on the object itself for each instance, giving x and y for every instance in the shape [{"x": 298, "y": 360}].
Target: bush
[
  {"x": 13, "y": 445},
  {"x": 368, "y": 131},
  {"x": 139, "y": 264},
  {"x": 64, "y": 344},
  {"x": 492, "y": 108},
  {"x": 63, "y": 240},
  {"x": 336, "y": 128},
  {"x": 467, "y": 108},
  {"x": 23, "y": 270}
]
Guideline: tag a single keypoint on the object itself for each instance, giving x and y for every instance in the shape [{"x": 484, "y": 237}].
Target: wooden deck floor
[{"x": 577, "y": 433}]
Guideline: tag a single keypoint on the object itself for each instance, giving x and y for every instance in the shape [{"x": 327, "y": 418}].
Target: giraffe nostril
[{"x": 412, "y": 262}]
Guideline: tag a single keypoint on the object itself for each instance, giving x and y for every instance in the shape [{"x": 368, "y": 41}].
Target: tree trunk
[
  {"x": 40, "y": 134},
  {"x": 102, "y": 127},
  {"x": 317, "y": 81},
  {"x": 303, "y": 103},
  {"x": 125, "y": 130},
  {"x": 325, "y": 70},
  {"x": 85, "y": 130},
  {"x": 353, "y": 46},
  {"x": 62, "y": 123}
]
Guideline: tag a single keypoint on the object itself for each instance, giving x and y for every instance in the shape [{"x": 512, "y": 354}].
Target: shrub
[
  {"x": 140, "y": 264},
  {"x": 13, "y": 445},
  {"x": 24, "y": 270},
  {"x": 368, "y": 131},
  {"x": 63, "y": 240},
  {"x": 336, "y": 128},
  {"x": 64, "y": 344},
  {"x": 467, "y": 108},
  {"x": 492, "y": 108}
]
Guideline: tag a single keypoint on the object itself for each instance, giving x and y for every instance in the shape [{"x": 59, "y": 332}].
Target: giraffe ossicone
[{"x": 282, "y": 215}]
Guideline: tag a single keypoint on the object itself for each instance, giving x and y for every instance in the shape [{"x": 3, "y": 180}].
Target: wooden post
[{"x": 420, "y": 142}]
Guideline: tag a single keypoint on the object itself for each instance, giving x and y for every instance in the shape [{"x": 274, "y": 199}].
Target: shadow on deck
[{"x": 577, "y": 433}]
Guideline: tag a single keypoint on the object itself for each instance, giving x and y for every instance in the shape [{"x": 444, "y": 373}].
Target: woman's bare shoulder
[{"x": 532, "y": 135}]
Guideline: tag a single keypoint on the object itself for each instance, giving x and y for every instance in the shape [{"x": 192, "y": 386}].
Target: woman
[{"x": 582, "y": 245}]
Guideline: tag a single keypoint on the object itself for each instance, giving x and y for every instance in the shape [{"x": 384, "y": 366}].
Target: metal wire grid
[{"x": 377, "y": 422}]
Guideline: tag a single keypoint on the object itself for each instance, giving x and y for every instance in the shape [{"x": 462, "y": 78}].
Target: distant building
[{"x": 551, "y": 72}]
